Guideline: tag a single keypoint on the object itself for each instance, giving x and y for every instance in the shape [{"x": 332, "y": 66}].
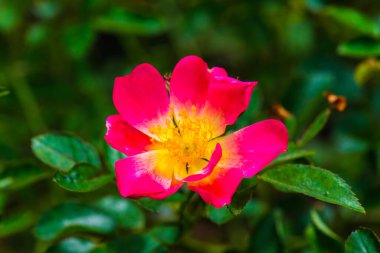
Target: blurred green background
[{"x": 58, "y": 60}]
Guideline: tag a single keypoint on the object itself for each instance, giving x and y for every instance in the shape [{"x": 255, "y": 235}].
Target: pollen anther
[{"x": 185, "y": 135}]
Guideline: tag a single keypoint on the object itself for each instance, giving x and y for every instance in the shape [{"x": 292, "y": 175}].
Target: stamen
[{"x": 185, "y": 136}]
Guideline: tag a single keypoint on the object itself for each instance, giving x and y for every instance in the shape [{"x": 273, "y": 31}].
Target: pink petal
[
  {"x": 218, "y": 188},
  {"x": 141, "y": 97},
  {"x": 124, "y": 137},
  {"x": 144, "y": 175},
  {"x": 228, "y": 96},
  {"x": 254, "y": 147},
  {"x": 216, "y": 71},
  {"x": 207, "y": 170},
  {"x": 189, "y": 82},
  {"x": 173, "y": 189}
]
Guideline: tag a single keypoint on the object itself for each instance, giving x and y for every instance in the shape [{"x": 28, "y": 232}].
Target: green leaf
[
  {"x": 167, "y": 234},
  {"x": 63, "y": 151},
  {"x": 292, "y": 155},
  {"x": 368, "y": 70},
  {"x": 73, "y": 217},
  {"x": 21, "y": 175},
  {"x": 154, "y": 205},
  {"x": 5, "y": 182},
  {"x": 321, "y": 225},
  {"x": 280, "y": 226},
  {"x": 315, "y": 182},
  {"x": 360, "y": 47},
  {"x": 3, "y": 91},
  {"x": 311, "y": 236},
  {"x": 122, "y": 22},
  {"x": 218, "y": 215},
  {"x": 15, "y": 223},
  {"x": 10, "y": 17},
  {"x": 264, "y": 238},
  {"x": 353, "y": 19},
  {"x": 78, "y": 48},
  {"x": 255, "y": 210},
  {"x": 247, "y": 184},
  {"x": 72, "y": 245},
  {"x": 133, "y": 244},
  {"x": 112, "y": 155},
  {"x": 315, "y": 127},
  {"x": 149, "y": 204},
  {"x": 175, "y": 198},
  {"x": 36, "y": 34},
  {"x": 46, "y": 10},
  {"x": 362, "y": 241},
  {"x": 82, "y": 178},
  {"x": 291, "y": 125},
  {"x": 124, "y": 211},
  {"x": 242, "y": 195}
]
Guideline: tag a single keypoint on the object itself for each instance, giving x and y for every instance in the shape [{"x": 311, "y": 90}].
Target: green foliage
[
  {"x": 10, "y": 17},
  {"x": 63, "y": 151},
  {"x": 19, "y": 176},
  {"x": 112, "y": 155},
  {"x": 266, "y": 232},
  {"x": 82, "y": 178},
  {"x": 15, "y": 223},
  {"x": 134, "y": 244},
  {"x": 353, "y": 19},
  {"x": 124, "y": 211},
  {"x": 360, "y": 47},
  {"x": 292, "y": 155},
  {"x": 72, "y": 245},
  {"x": 321, "y": 225},
  {"x": 57, "y": 66},
  {"x": 242, "y": 196},
  {"x": 3, "y": 91},
  {"x": 313, "y": 181},
  {"x": 168, "y": 234},
  {"x": 78, "y": 40},
  {"x": 315, "y": 127},
  {"x": 151, "y": 205},
  {"x": 123, "y": 22},
  {"x": 367, "y": 71},
  {"x": 73, "y": 217},
  {"x": 219, "y": 215},
  {"x": 362, "y": 240}
]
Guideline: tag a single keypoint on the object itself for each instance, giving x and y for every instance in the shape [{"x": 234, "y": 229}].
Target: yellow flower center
[{"x": 185, "y": 136}]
